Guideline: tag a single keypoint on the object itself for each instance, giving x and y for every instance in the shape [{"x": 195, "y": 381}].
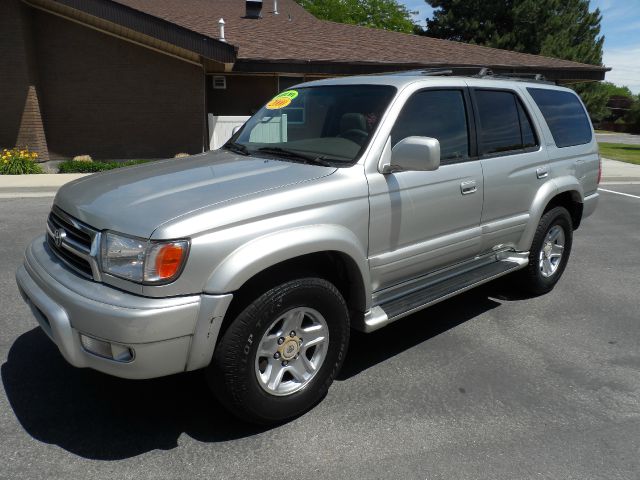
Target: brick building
[{"x": 150, "y": 78}]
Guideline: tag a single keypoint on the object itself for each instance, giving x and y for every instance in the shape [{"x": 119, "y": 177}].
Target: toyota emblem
[{"x": 58, "y": 236}]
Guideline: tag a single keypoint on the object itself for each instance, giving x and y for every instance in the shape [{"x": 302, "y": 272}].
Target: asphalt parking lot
[{"x": 487, "y": 385}]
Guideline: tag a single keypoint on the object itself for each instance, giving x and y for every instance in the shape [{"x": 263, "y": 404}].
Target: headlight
[{"x": 143, "y": 261}]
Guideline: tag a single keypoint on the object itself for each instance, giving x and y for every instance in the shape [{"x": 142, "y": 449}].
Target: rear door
[{"x": 513, "y": 163}]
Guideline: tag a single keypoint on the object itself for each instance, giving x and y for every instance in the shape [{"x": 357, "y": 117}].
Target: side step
[{"x": 395, "y": 309}]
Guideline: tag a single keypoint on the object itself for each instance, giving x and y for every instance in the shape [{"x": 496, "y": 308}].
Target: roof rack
[
  {"x": 437, "y": 72},
  {"x": 528, "y": 77},
  {"x": 474, "y": 72}
]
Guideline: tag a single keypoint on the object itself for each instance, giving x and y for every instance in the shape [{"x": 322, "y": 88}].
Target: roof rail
[
  {"x": 526, "y": 77},
  {"x": 437, "y": 72},
  {"x": 474, "y": 72}
]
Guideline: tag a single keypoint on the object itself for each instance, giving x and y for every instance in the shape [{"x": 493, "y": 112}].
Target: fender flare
[
  {"x": 266, "y": 251},
  {"x": 545, "y": 194}
]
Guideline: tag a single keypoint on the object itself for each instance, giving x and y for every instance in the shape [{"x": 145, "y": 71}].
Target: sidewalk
[
  {"x": 46, "y": 185},
  {"x": 614, "y": 171}
]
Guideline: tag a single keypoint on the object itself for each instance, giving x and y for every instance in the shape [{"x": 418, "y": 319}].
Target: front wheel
[
  {"x": 280, "y": 355},
  {"x": 549, "y": 252}
]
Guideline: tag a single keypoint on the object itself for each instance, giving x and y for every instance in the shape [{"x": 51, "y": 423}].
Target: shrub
[
  {"x": 633, "y": 116},
  {"x": 19, "y": 161},
  {"x": 80, "y": 166}
]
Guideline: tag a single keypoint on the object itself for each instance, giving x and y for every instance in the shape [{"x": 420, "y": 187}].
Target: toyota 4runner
[{"x": 343, "y": 203}]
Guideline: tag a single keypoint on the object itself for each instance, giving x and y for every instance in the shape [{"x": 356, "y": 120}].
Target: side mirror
[{"x": 414, "y": 153}]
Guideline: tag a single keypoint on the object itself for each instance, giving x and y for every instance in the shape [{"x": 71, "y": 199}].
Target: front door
[{"x": 423, "y": 221}]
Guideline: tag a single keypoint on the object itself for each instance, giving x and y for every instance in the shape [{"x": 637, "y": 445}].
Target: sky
[{"x": 620, "y": 27}]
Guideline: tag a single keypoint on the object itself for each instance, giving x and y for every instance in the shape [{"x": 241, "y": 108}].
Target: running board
[{"x": 388, "y": 312}]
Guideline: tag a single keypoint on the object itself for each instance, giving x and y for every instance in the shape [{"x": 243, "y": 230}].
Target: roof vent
[
  {"x": 221, "y": 25},
  {"x": 275, "y": 7},
  {"x": 254, "y": 7}
]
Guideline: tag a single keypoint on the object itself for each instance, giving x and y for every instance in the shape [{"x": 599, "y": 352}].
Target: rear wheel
[
  {"x": 280, "y": 355},
  {"x": 550, "y": 252}
]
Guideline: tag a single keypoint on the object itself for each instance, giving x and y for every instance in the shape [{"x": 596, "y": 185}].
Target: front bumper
[{"x": 165, "y": 335}]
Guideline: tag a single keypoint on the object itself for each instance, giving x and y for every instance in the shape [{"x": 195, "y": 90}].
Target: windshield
[{"x": 326, "y": 125}]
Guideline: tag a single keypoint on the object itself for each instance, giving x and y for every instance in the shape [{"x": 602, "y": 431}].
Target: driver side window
[{"x": 439, "y": 114}]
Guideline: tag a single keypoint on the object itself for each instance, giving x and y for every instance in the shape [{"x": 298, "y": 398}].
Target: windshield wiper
[
  {"x": 283, "y": 152},
  {"x": 238, "y": 148}
]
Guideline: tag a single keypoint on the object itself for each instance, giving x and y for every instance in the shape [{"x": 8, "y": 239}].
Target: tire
[
  {"x": 244, "y": 372},
  {"x": 543, "y": 272}
]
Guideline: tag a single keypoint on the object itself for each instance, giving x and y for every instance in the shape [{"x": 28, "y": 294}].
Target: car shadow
[
  {"x": 97, "y": 416},
  {"x": 367, "y": 350}
]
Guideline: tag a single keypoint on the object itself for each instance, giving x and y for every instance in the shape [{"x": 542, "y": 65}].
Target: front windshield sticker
[{"x": 282, "y": 100}]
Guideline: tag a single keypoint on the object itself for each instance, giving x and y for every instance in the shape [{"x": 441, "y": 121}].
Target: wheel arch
[
  {"x": 563, "y": 191},
  {"x": 327, "y": 251}
]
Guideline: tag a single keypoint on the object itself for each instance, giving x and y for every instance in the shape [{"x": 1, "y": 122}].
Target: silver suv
[{"x": 344, "y": 203}]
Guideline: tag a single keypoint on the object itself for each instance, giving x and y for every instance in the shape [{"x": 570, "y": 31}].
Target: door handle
[
  {"x": 468, "y": 187},
  {"x": 542, "y": 172}
]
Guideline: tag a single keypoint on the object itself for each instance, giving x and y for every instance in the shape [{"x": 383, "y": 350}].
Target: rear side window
[
  {"x": 504, "y": 125},
  {"x": 438, "y": 114},
  {"x": 565, "y": 116}
]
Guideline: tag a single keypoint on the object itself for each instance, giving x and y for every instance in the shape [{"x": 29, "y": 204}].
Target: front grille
[
  {"x": 77, "y": 263},
  {"x": 73, "y": 242},
  {"x": 77, "y": 235}
]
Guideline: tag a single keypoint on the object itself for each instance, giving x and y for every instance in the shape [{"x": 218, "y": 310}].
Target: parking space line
[{"x": 619, "y": 193}]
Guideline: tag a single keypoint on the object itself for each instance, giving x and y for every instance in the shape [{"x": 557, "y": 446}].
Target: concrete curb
[
  {"x": 45, "y": 180},
  {"x": 35, "y": 186}
]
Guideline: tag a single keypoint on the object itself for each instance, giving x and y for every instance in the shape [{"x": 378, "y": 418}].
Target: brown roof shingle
[{"x": 297, "y": 36}]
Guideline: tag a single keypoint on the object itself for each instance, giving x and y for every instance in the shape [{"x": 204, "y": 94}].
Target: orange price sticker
[
  {"x": 282, "y": 100},
  {"x": 278, "y": 103}
]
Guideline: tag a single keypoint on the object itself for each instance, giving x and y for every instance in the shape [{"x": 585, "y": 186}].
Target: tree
[
  {"x": 614, "y": 90},
  {"x": 556, "y": 28},
  {"x": 483, "y": 22},
  {"x": 633, "y": 116},
  {"x": 560, "y": 28},
  {"x": 595, "y": 98},
  {"x": 384, "y": 14}
]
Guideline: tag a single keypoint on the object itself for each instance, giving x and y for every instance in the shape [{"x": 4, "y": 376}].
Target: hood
[{"x": 136, "y": 200}]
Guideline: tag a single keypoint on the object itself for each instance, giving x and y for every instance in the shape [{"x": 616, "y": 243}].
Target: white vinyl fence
[{"x": 221, "y": 128}]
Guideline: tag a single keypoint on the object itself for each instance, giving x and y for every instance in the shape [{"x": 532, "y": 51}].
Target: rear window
[{"x": 565, "y": 116}]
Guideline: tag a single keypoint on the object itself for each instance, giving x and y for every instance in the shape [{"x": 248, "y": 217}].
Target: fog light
[{"x": 112, "y": 351}]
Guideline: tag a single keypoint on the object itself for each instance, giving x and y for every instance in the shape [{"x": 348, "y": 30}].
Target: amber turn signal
[
  {"x": 169, "y": 260},
  {"x": 165, "y": 260}
]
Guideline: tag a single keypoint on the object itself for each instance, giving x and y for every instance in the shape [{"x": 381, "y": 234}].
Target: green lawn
[{"x": 621, "y": 151}]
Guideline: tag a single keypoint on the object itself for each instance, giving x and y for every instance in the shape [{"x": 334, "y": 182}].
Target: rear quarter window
[{"x": 565, "y": 116}]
